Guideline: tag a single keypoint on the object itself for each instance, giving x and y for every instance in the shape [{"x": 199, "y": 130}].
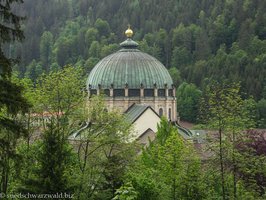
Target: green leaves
[
  {"x": 126, "y": 192},
  {"x": 61, "y": 91},
  {"x": 188, "y": 98},
  {"x": 168, "y": 168},
  {"x": 223, "y": 107},
  {"x": 227, "y": 114}
]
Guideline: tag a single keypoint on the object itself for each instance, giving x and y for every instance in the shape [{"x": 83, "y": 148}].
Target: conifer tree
[{"x": 11, "y": 100}]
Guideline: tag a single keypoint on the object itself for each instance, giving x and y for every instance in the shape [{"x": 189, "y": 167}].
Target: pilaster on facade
[
  {"x": 89, "y": 91},
  {"x": 175, "y": 109},
  {"x": 126, "y": 90},
  {"x": 166, "y": 90},
  {"x": 155, "y": 90},
  {"x": 99, "y": 89},
  {"x": 174, "y": 91},
  {"x": 141, "y": 91},
  {"x": 111, "y": 91}
]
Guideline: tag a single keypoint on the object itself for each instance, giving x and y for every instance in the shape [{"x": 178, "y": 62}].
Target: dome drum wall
[
  {"x": 136, "y": 92},
  {"x": 121, "y": 99},
  {"x": 157, "y": 103}
]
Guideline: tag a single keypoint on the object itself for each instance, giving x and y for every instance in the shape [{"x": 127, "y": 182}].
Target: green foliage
[
  {"x": 175, "y": 74},
  {"x": 54, "y": 161},
  {"x": 104, "y": 152},
  {"x": 102, "y": 26},
  {"x": 188, "y": 98},
  {"x": 228, "y": 115},
  {"x": 90, "y": 63},
  {"x": 46, "y": 49},
  {"x": 34, "y": 70},
  {"x": 12, "y": 101},
  {"x": 108, "y": 49},
  {"x": 261, "y": 106},
  {"x": 56, "y": 100},
  {"x": 167, "y": 169},
  {"x": 60, "y": 91},
  {"x": 126, "y": 192},
  {"x": 181, "y": 57},
  {"x": 222, "y": 107},
  {"x": 95, "y": 49},
  {"x": 91, "y": 35}
]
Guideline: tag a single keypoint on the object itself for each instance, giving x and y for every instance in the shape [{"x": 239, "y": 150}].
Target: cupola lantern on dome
[{"x": 129, "y": 43}]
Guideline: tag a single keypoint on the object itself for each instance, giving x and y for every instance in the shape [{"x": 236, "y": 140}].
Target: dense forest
[{"x": 196, "y": 40}]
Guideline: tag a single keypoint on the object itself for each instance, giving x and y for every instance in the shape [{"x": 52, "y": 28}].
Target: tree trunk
[
  {"x": 221, "y": 162},
  {"x": 234, "y": 166}
]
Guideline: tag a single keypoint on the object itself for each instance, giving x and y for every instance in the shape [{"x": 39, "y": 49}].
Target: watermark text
[{"x": 59, "y": 195}]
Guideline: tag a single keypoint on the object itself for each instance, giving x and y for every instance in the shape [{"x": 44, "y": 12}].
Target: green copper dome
[{"x": 129, "y": 67}]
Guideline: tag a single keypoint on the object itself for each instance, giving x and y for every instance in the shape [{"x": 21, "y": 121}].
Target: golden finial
[{"x": 129, "y": 32}]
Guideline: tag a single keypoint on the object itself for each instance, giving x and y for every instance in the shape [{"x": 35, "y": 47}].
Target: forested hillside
[{"x": 200, "y": 38}]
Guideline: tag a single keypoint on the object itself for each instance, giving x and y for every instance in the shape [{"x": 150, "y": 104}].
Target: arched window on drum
[
  {"x": 170, "y": 114},
  {"x": 160, "y": 112}
]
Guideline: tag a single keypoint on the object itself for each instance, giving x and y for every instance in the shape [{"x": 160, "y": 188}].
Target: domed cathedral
[{"x": 132, "y": 79}]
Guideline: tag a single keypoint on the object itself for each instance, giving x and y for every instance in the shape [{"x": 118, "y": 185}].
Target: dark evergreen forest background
[{"x": 196, "y": 39}]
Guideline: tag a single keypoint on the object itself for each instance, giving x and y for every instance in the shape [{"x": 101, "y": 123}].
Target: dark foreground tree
[
  {"x": 11, "y": 100},
  {"x": 51, "y": 162}
]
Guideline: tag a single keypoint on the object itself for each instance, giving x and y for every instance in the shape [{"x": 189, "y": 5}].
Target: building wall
[
  {"x": 148, "y": 120},
  {"x": 166, "y": 103},
  {"x": 146, "y": 137}
]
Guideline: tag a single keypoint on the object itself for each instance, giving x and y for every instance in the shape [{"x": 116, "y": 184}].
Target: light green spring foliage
[
  {"x": 222, "y": 107},
  {"x": 56, "y": 101},
  {"x": 62, "y": 90},
  {"x": 107, "y": 122},
  {"x": 126, "y": 192},
  {"x": 104, "y": 152},
  {"x": 169, "y": 168},
  {"x": 227, "y": 114},
  {"x": 61, "y": 94}
]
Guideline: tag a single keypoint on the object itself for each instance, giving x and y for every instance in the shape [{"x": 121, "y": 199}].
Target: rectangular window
[
  {"x": 170, "y": 92},
  {"x": 134, "y": 92},
  {"x": 119, "y": 92},
  {"x": 161, "y": 92},
  {"x": 93, "y": 92},
  {"x": 107, "y": 92},
  {"x": 149, "y": 92}
]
